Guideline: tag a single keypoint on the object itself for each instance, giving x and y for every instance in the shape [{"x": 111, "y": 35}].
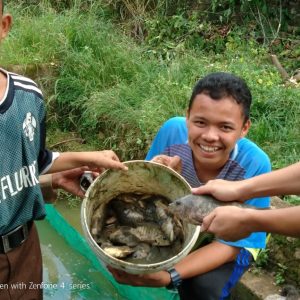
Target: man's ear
[
  {"x": 246, "y": 128},
  {"x": 5, "y": 24}
]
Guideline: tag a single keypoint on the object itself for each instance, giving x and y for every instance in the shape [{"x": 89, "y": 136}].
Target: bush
[{"x": 116, "y": 94}]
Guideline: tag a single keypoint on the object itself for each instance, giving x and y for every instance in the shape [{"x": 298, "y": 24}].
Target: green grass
[{"x": 116, "y": 95}]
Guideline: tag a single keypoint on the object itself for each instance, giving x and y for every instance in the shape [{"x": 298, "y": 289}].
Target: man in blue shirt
[{"x": 210, "y": 144}]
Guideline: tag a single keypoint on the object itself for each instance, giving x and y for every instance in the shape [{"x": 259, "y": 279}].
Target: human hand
[
  {"x": 157, "y": 279},
  {"x": 96, "y": 161},
  {"x": 229, "y": 223},
  {"x": 174, "y": 162},
  {"x": 221, "y": 189},
  {"x": 106, "y": 159},
  {"x": 70, "y": 180}
]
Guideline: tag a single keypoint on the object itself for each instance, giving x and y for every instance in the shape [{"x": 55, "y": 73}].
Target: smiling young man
[{"x": 217, "y": 119}]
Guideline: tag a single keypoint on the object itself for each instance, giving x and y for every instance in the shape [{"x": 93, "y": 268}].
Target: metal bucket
[{"x": 141, "y": 177}]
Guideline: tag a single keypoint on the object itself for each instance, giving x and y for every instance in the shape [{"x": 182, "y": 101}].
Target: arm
[
  {"x": 233, "y": 223},
  {"x": 196, "y": 263},
  {"x": 49, "y": 194},
  {"x": 283, "y": 181},
  {"x": 95, "y": 160}
]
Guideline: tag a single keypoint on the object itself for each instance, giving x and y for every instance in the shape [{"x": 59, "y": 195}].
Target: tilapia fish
[
  {"x": 193, "y": 208},
  {"x": 118, "y": 251},
  {"x": 137, "y": 228}
]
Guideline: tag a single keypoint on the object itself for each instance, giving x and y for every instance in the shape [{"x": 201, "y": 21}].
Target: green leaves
[{"x": 108, "y": 83}]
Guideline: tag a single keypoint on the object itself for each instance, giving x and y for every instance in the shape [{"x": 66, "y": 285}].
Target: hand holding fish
[
  {"x": 193, "y": 208},
  {"x": 239, "y": 226},
  {"x": 158, "y": 279},
  {"x": 222, "y": 190}
]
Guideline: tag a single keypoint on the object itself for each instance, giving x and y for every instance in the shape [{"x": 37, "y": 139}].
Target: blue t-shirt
[{"x": 246, "y": 160}]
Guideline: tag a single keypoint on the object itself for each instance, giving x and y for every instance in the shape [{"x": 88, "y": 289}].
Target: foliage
[
  {"x": 171, "y": 36},
  {"x": 262, "y": 259},
  {"x": 283, "y": 260},
  {"x": 36, "y": 6},
  {"x": 292, "y": 199},
  {"x": 117, "y": 94},
  {"x": 206, "y": 25},
  {"x": 279, "y": 276},
  {"x": 70, "y": 200}
]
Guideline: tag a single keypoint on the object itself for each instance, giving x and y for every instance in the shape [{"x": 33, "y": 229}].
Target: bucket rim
[{"x": 130, "y": 267}]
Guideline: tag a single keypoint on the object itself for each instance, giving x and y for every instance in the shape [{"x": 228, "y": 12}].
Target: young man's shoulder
[
  {"x": 246, "y": 146},
  {"x": 178, "y": 149},
  {"x": 252, "y": 158},
  {"x": 20, "y": 82}
]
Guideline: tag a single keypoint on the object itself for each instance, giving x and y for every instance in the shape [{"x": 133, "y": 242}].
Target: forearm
[
  {"x": 285, "y": 221},
  {"x": 280, "y": 182},
  {"x": 70, "y": 160},
  {"x": 48, "y": 191},
  {"x": 94, "y": 160},
  {"x": 198, "y": 262},
  {"x": 206, "y": 259}
]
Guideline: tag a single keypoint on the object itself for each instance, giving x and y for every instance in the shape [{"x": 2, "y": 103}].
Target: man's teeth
[{"x": 209, "y": 149}]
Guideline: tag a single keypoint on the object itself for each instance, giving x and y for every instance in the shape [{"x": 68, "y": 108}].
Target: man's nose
[{"x": 211, "y": 134}]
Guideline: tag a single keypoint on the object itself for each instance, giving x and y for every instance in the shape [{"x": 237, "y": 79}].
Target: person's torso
[{"x": 21, "y": 116}]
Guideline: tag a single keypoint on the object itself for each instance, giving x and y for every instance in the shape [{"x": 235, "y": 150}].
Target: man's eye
[
  {"x": 199, "y": 123},
  {"x": 226, "y": 128}
]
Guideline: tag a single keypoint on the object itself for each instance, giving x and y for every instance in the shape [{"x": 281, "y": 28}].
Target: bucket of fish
[{"x": 126, "y": 221}]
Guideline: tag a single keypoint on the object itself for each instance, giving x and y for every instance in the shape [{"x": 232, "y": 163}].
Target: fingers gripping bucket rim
[{"x": 141, "y": 176}]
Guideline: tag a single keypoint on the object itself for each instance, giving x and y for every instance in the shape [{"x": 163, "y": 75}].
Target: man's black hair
[{"x": 219, "y": 85}]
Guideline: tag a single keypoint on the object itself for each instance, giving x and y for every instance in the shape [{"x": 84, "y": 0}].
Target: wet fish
[
  {"x": 127, "y": 213},
  {"x": 123, "y": 236},
  {"x": 150, "y": 233},
  {"x": 141, "y": 251},
  {"x": 127, "y": 198},
  {"x": 97, "y": 221},
  {"x": 138, "y": 228},
  {"x": 118, "y": 251},
  {"x": 193, "y": 208},
  {"x": 164, "y": 220}
]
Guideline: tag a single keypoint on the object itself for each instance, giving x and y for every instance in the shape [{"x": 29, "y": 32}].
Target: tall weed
[{"x": 117, "y": 95}]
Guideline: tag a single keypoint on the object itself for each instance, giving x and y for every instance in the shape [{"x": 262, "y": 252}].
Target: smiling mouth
[{"x": 209, "y": 149}]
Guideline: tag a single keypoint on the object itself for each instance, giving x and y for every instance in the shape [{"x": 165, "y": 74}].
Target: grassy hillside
[
  {"x": 116, "y": 93},
  {"x": 113, "y": 92}
]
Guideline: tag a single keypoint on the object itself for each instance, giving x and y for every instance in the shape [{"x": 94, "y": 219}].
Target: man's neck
[
  {"x": 206, "y": 176},
  {"x": 205, "y": 173}
]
